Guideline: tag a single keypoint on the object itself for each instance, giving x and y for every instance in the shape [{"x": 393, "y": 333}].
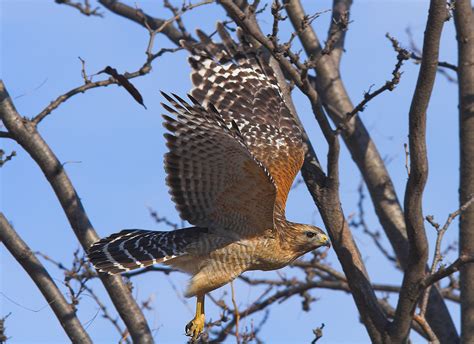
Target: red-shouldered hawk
[{"x": 234, "y": 152}]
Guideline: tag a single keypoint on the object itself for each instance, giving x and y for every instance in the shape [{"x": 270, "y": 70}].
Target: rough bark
[
  {"x": 37, "y": 272},
  {"x": 25, "y": 134},
  {"x": 418, "y": 243},
  {"x": 464, "y": 21},
  {"x": 340, "y": 8}
]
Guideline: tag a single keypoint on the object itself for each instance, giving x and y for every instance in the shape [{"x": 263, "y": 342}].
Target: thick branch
[
  {"x": 37, "y": 272},
  {"x": 24, "y": 133},
  {"x": 464, "y": 21},
  {"x": 418, "y": 252}
]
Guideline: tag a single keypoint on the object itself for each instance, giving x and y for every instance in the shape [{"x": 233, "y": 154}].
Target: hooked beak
[{"x": 325, "y": 241}]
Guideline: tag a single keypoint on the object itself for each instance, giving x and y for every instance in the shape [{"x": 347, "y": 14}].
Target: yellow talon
[{"x": 195, "y": 327}]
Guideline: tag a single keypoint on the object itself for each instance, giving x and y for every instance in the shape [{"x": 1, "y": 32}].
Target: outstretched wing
[
  {"x": 240, "y": 84},
  {"x": 215, "y": 181}
]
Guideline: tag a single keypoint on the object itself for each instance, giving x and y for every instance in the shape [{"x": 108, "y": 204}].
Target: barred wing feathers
[
  {"x": 241, "y": 85},
  {"x": 214, "y": 180},
  {"x": 134, "y": 248}
]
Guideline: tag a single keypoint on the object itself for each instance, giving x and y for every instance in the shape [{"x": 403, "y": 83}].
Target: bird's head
[{"x": 307, "y": 237}]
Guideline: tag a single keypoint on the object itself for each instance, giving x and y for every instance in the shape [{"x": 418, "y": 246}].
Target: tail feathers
[{"x": 134, "y": 249}]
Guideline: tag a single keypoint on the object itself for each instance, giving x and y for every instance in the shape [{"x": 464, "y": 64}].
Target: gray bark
[
  {"x": 24, "y": 132},
  {"x": 37, "y": 272},
  {"x": 464, "y": 21}
]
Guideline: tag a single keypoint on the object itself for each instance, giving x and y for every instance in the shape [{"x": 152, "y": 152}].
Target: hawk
[{"x": 234, "y": 151}]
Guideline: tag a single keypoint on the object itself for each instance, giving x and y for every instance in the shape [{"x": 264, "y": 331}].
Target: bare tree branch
[
  {"x": 439, "y": 238},
  {"x": 418, "y": 253},
  {"x": 415, "y": 55},
  {"x": 449, "y": 270},
  {"x": 3, "y": 336},
  {"x": 7, "y": 158},
  {"x": 464, "y": 23},
  {"x": 62, "y": 309},
  {"x": 368, "y": 96},
  {"x": 84, "y": 7},
  {"x": 374, "y": 235},
  {"x": 24, "y": 133},
  {"x": 81, "y": 272}
]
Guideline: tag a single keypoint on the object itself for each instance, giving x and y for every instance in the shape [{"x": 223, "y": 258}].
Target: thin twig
[
  {"x": 84, "y": 8},
  {"x": 81, "y": 272},
  {"x": 318, "y": 333},
  {"x": 7, "y": 158},
  {"x": 389, "y": 85},
  {"x": 3, "y": 336},
  {"x": 162, "y": 219},
  {"x": 415, "y": 55},
  {"x": 106, "y": 315},
  {"x": 437, "y": 253},
  {"x": 375, "y": 236},
  {"x": 449, "y": 270},
  {"x": 83, "y": 71},
  {"x": 236, "y": 313}
]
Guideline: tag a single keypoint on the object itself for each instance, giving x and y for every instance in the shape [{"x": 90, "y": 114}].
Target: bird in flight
[{"x": 234, "y": 152}]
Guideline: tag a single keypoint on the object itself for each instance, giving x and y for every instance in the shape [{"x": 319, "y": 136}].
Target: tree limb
[
  {"x": 418, "y": 248},
  {"x": 24, "y": 133},
  {"x": 37, "y": 272},
  {"x": 464, "y": 23}
]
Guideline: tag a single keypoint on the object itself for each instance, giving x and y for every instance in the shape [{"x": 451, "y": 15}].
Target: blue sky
[{"x": 114, "y": 149}]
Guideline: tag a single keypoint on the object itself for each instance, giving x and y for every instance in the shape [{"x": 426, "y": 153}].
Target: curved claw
[{"x": 195, "y": 327}]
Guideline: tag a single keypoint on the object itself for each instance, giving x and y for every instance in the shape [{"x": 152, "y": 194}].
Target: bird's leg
[{"x": 196, "y": 326}]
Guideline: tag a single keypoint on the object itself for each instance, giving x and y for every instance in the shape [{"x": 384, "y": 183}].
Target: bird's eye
[{"x": 310, "y": 234}]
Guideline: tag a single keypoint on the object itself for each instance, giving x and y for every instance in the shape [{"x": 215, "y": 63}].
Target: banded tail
[{"x": 135, "y": 248}]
